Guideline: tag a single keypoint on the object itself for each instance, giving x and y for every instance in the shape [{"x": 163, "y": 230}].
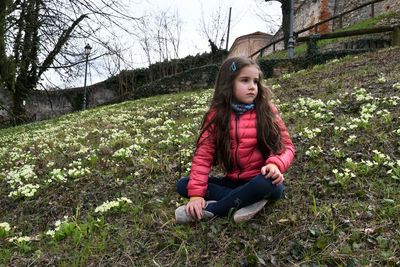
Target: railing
[
  {"x": 315, "y": 26},
  {"x": 340, "y": 17},
  {"x": 347, "y": 33},
  {"x": 312, "y": 39}
]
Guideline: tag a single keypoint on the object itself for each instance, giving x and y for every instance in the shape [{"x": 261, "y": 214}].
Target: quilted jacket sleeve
[
  {"x": 202, "y": 162},
  {"x": 286, "y": 156}
]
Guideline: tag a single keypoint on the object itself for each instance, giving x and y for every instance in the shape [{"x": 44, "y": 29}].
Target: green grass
[{"x": 342, "y": 116}]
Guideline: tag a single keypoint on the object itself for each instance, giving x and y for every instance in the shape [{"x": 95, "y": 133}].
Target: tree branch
[
  {"x": 61, "y": 41},
  {"x": 73, "y": 64}
]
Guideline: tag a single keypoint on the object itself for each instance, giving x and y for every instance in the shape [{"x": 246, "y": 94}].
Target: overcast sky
[{"x": 244, "y": 20}]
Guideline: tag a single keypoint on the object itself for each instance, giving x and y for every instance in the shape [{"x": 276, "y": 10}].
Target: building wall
[{"x": 310, "y": 12}]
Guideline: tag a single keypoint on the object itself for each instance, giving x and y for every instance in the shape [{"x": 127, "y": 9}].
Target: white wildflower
[
  {"x": 106, "y": 206},
  {"x": 5, "y": 226},
  {"x": 19, "y": 239}
]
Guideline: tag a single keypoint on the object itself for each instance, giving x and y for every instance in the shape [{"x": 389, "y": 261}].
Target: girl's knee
[
  {"x": 270, "y": 190},
  {"x": 181, "y": 186},
  {"x": 277, "y": 193},
  {"x": 263, "y": 183}
]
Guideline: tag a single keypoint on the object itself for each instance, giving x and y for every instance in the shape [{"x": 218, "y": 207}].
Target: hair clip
[{"x": 233, "y": 66}]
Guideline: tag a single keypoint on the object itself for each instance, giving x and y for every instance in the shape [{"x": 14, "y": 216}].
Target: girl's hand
[
  {"x": 195, "y": 207},
  {"x": 271, "y": 171}
]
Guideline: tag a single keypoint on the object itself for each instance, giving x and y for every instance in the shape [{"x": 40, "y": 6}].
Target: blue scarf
[{"x": 240, "y": 108}]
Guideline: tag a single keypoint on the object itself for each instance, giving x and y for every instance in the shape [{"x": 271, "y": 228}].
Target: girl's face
[{"x": 245, "y": 88}]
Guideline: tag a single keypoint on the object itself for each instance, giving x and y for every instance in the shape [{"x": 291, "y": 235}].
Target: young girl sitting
[{"x": 243, "y": 133}]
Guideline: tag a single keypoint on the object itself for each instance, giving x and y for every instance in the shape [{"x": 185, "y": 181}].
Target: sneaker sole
[{"x": 248, "y": 212}]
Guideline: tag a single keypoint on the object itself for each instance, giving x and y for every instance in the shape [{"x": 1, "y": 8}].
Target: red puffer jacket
[{"x": 247, "y": 159}]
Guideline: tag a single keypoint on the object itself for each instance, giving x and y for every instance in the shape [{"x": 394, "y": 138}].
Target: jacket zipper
[{"x": 237, "y": 146}]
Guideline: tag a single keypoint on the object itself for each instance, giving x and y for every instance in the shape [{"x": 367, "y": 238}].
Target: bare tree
[
  {"x": 159, "y": 34},
  {"x": 174, "y": 32},
  {"x": 113, "y": 64},
  {"x": 213, "y": 26},
  {"x": 285, "y": 6},
  {"x": 160, "y": 37},
  {"x": 39, "y": 35},
  {"x": 144, "y": 35},
  {"x": 261, "y": 11}
]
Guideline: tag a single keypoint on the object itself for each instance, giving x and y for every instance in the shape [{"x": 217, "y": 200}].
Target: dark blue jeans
[{"x": 234, "y": 194}]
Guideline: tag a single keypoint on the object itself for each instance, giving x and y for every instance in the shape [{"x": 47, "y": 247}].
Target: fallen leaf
[
  {"x": 369, "y": 231},
  {"x": 283, "y": 221}
]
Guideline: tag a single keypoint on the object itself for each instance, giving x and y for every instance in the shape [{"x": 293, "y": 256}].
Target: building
[{"x": 246, "y": 45}]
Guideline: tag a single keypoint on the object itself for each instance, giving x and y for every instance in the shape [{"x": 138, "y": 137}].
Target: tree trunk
[
  {"x": 285, "y": 7},
  {"x": 6, "y": 65},
  {"x": 285, "y": 21},
  {"x": 19, "y": 96},
  {"x": 27, "y": 67}
]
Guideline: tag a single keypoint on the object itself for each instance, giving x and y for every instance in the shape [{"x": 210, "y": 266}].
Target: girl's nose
[{"x": 252, "y": 86}]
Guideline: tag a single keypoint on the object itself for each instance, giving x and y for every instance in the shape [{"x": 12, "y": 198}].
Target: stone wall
[
  {"x": 309, "y": 12},
  {"x": 363, "y": 13},
  {"x": 5, "y": 106},
  {"x": 43, "y": 105},
  {"x": 198, "y": 78}
]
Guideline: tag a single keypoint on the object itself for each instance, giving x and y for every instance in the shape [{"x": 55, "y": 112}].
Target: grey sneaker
[
  {"x": 248, "y": 212},
  {"x": 182, "y": 217}
]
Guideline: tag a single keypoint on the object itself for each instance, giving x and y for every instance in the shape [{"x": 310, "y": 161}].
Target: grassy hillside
[{"x": 96, "y": 188}]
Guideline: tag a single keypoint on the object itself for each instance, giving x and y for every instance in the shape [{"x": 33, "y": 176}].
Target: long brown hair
[{"x": 268, "y": 133}]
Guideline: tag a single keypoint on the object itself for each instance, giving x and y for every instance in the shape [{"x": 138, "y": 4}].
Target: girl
[{"x": 243, "y": 133}]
